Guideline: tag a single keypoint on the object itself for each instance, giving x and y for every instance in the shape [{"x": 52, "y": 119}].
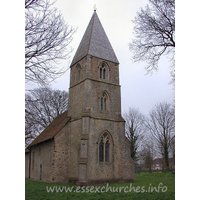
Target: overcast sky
[{"x": 137, "y": 89}]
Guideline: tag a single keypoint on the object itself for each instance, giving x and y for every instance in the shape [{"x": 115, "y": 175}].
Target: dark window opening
[
  {"x": 101, "y": 151},
  {"x": 100, "y": 72},
  {"x": 103, "y": 72},
  {"x": 107, "y": 151},
  {"x": 104, "y": 148},
  {"x": 103, "y": 101}
]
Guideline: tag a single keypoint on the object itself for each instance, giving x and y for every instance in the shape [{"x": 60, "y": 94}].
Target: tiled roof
[
  {"x": 52, "y": 129},
  {"x": 95, "y": 43}
]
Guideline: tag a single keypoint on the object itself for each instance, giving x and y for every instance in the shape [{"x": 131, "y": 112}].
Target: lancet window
[{"x": 104, "y": 101}]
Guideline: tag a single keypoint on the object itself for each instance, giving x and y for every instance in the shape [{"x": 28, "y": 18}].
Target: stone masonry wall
[
  {"x": 90, "y": 69},
  {"x": 41, "y": 161},
  {"x": 121, "y": 165},
  {"x": 61, "y": 156},
  {"x": 75, "y": 142},
  {"x": 86, "y": 93}
]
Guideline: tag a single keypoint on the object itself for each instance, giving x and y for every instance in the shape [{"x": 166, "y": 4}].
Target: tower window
[
  {"x": 104, "y": 148},
  {"x": 103, "y": 71},
  {"x": 103, "y": 101},
  {"x": 104, "y": 104},
  {"x": 100, "y": 72}
]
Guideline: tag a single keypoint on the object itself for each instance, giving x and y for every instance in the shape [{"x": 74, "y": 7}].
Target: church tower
[
  {"x": 86, "y": 145},
  {"x": 99, "y": 150}
]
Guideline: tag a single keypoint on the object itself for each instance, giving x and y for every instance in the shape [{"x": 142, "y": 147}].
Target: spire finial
[{"x": 95, "y": 7}]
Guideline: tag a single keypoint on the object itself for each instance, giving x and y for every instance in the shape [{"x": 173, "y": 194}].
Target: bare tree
[
  {"x": 148, "y": 158},
  {"x": 41, "y": 107},
  {"x": 47, "y": 37},
  {"x": 161, "y": 124},
  {"x": 32, "y": 3},
  {"x": 134, "y": 130},
  {"x": 154, "y": 33},
  {"x": 173, "y": 149},
  {"x": 147, "y": 153}
]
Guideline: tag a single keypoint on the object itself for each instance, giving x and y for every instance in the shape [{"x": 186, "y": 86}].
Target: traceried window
[
  {"x": 104, "y": 148},
  {"x": 104, "y": 101},
  {"x": 103, "y": 71}
]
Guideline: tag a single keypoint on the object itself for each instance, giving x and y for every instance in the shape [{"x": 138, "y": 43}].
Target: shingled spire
[{"x": 95, "y": 43}]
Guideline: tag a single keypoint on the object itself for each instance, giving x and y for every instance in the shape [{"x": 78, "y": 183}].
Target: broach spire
[{"x": 95, "y": 43}]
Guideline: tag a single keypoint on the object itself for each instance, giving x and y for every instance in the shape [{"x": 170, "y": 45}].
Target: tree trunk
[{"x": 166, "y": 158}]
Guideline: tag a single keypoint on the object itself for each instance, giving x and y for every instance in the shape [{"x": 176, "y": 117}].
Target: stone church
[{"x": 86, "y": 145}]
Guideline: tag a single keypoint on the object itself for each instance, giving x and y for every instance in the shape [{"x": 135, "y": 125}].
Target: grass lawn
[{"x": 140, "y": 190}]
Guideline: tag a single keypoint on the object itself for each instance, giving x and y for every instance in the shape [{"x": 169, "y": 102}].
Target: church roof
[
  {"x": 95, "y": 43},
  {"x": 52, "y": 129}
]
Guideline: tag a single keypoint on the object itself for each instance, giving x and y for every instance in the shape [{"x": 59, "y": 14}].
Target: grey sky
[{"x": 137, "y": 89}]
